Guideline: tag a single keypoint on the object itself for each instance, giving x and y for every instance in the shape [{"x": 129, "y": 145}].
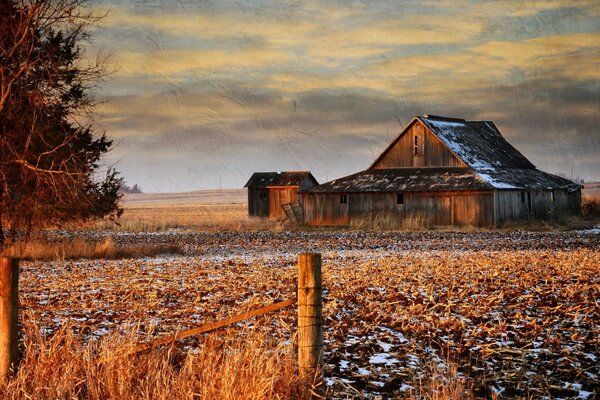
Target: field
[
  {"x": 482, "y": 313},
  {"x": 438, "y": 314}
]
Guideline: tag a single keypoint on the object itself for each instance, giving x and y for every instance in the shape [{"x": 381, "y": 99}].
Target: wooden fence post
[
  {"x": 9, "y": 315},
  {"x": 310, "y": 325}
]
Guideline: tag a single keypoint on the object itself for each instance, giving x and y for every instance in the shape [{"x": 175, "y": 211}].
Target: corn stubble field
[{"x": 407, "y": 315}]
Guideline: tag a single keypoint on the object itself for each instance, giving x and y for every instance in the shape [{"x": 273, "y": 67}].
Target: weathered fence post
[
  {"x": 310, "y": 325},
  {"x": 9, "y": 315}
]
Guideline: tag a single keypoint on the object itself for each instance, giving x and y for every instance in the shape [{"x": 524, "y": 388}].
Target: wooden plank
[
  {"x": 289, "y": 213},
  {"x": 297, "y": 209},
  {"x": 213, "y": 325}
]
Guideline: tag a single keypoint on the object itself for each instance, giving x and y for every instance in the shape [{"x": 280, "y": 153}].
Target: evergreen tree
[{"x": 49, "y": 151}]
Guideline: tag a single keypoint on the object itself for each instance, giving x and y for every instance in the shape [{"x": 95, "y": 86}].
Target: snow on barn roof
[
  {"x": 527, "y": 178},
  {"x": 478, "y": 144},
  {"x": 405, "y": 179},
  {"x": 270, "y": 179}
]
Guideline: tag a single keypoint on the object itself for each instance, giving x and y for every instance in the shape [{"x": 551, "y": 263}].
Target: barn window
[
  {"x": 416, "y": 144},
  {"x": 552, "y": 196},
  {"x": 400, "y": 198},
  {"x": 522, "y": 197},
  {"x": 343, "y": 199}
]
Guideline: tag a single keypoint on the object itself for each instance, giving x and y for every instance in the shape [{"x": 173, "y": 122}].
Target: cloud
[{"x": 226, "y": 88}]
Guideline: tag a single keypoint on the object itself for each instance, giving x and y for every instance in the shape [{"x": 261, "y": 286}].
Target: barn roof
[
  {"x": 286, "y": 178},
  {"x": 479, "y": 144},
  {"x": 526, "y": 178},
  {"x": 430, "y": 179},
  {"x": 406, "y": 179}
]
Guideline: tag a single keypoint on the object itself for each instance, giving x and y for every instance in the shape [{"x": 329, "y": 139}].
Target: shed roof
[
  {"x": 405, "y": 179},
  {"x": 285, "y": 178},
  {"x": 443, "y": 179},
  {"x": 527, "y": 178}
]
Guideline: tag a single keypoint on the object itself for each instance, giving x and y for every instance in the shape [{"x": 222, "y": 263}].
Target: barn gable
[
  {"x": 432, "y": 141},
  {"x": 417, "y": 146}
]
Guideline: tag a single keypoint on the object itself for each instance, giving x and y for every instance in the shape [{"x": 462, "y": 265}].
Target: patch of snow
[
  {"x": 405, "y": 387},
  {"x": 382, "y": 358},
  {"x": 593, "y": 231},
  {"x": 386, "y": 347},
  {"x": 495, "y": 183}
]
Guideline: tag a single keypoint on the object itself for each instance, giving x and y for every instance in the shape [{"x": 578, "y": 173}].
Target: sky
[{"x": 204, "y": 93}]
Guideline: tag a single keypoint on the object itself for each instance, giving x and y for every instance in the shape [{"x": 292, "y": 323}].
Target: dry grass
[
  {"x": 71, "y": 249},
  {"x": 590, "y": 207},
  {"x": 210, "y": 217},
  {"x": 231, "y": 368},
  {"x": 444, "y": 383},
  {"x": 386, "y": 221}
]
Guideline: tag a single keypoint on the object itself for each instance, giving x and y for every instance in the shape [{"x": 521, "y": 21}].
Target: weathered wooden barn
[
  {"x": 268, "y": 192},
  {"x": 444, "y": 171}
]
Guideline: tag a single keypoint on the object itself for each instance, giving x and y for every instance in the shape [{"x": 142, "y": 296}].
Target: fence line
[{"x": 310, "y": 323}]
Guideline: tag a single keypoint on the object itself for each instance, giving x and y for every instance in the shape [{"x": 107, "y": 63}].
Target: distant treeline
[{"x": 130, "y": 189}]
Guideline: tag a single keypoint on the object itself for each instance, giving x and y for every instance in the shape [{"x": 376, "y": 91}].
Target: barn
[
  {"x": 269, "y": 192},
  {"x": 444, "y": 171}
]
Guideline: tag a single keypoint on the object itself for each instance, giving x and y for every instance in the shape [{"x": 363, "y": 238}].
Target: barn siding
[
  {"x": 454, "y": 208},
  {"x": 437, "y": 209},
  {"x": 435, "y": 153},
  {"x": 574, "y": 203},
  {"x": 538, "y": 204},
  {"x": 324, "y": 209},
  {"x": 511, "y": 205},
  {"x": 279, "y": 196},
  {"x": 258, "y": 202}
]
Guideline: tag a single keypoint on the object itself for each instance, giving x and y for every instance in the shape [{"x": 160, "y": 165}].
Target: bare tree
[{"x": 49, "y": 151}]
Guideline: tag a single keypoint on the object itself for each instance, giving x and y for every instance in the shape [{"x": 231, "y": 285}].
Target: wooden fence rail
[{"x": 212, "y": 326}]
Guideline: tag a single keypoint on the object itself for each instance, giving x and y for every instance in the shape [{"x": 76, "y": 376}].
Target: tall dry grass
[
  {"x": 391, "y": 221},
  {"x": 209, "y": 217},
  {"x": 70, "y": 249},
  {"x": 228, "y": 368},
  {"x": 590, "y": 207}
]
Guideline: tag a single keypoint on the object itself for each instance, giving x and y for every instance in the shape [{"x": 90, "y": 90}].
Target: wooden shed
[
  {"x": 444, "y": 171},
  {"x": 268, "y": 192}
]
